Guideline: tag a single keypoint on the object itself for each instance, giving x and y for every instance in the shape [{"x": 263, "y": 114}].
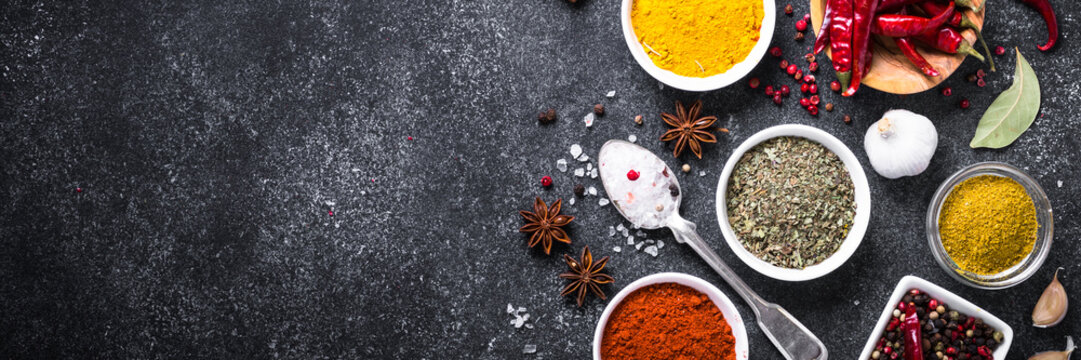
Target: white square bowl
[{"x": 952, "y": 300}]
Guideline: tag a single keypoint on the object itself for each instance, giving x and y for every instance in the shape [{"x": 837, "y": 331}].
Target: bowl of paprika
[
  {"x": 698, "y": 45},
  {"x": 670, "y": 316}
]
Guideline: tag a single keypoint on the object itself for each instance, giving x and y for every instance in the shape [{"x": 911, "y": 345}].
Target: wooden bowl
[{"x": 891, "y": 71}]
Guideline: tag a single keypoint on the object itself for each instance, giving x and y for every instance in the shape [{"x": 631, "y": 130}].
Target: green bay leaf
[{"x": 1012, "y": 112}]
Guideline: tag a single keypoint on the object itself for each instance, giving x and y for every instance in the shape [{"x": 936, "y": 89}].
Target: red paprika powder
[{"x": 667, "y": 321}]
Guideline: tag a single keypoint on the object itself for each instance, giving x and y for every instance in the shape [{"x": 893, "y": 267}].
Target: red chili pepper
[
  {"x": 913, "y": 338},
  {"x": 948, "y": 40},
  {"x": 1044, "y": 7},
  {"x": 863, "y": 17},
  {"x": 958, "y": 20},
  {"x": 841, "y": 40},
  {"x": 899, "y": 25},
  {"x": 914, "y": 57},
  {"x": 890, "y": 6},
  {"x": 823, "y": 36}
]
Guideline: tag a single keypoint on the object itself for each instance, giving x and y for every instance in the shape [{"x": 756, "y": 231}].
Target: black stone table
[{"x": 325, "y": 179}]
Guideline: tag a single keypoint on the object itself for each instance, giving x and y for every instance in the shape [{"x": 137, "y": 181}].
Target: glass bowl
[{"x": 1044, "y": 222}]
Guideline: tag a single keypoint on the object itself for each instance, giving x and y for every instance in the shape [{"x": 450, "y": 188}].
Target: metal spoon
[{"x": 651, "y": 183}]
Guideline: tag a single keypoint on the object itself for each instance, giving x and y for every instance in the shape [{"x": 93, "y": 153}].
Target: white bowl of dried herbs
[{"x": 793, "y": 202}]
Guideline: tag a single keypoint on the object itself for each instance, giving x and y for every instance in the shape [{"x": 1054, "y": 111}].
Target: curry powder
[
  {"x": 697, "y": 38},
  {"x": 988, "y": 224}
]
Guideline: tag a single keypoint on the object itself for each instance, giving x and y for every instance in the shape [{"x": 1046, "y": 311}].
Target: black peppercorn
[
  {"x": 579, "y": 190},
  {"x": 672, "y": 188},
  {"x": 598, "y": 109}
]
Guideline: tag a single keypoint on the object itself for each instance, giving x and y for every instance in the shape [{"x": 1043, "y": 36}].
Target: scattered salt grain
[
  {"x": 652, "y": 250},
  {"x": 660, "y": 244},
  {"x": 640, "y": 233},
  {"x": 626, "y": 232},
  {"x": 571, "y": 201},
  {"x": 632, "y": 138},
  {"x": 639, "y": 246},
  {"x": 576, "y": 151},
  {"x": 617, "y": 249},
  {"x": 589, "y": 167},
  {"x": 592, "y": 191},
  {"x": 510, "y": 308},
  {"x": 603, "y": 202},
  {"x": 579, "y": 172},
  {"x": 529, "y": 349},
  {"x": 610, "y": 94},
  {"x": 701, "y": 173},
  {"x": 857, "y": 302},
  {"x": 630, "y": 239},
  {"x": 611, "y": 231},
  {"x": 521, "y": 309},
  {"x": 589, "y": 119},
  {"x": 1060, "y": 183},
  {"x": 329, "y": 203},
  {"x": 583, "y": 158},
  {"x": 561, "y": 165},
  {"x": 620, "y": 227},
  {"x": 593, "y": 173}
]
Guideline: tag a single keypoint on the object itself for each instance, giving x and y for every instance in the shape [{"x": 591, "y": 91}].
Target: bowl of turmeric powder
[
  {"x": 990, "y": 225},
  {"x": 698, "y": 45}
]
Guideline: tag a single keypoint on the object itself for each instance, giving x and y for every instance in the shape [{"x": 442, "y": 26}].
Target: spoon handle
[{"x": 793, "y": 339}]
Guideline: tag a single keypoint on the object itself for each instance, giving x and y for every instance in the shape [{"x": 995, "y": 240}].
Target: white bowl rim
[
  {"x": 860, "y": 222},
  {"x": 713, "y": 82},
  {"x": 728, "y": 309},
  {"x": 952, "y": 300}
]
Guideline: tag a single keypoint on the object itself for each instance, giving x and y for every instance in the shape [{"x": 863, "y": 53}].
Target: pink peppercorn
[{"x": 632, "y": 175}]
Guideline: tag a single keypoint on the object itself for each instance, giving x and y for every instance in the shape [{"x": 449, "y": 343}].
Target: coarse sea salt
[
  {"x": 576, "y": 151},
  {"x": 579, "y": 172},
  {"x": 571, "y": 201},
  {"x": 610, "y": 94},
  {"x": 603, "y": 202},
  {"x": 589, "y": 119},
  {"x": 617, "y": 249},
  {"x": 583, "y": 158},
  {"x": 630, "y": 240},
  {"x": 561, "y": 165},
  {"x": 593, "y": 173},
  {"x": 639, "y": 199},
  {"x": 660, "y": 244},
  {"x": 592, "y": 191},
  {"x": 652, "y": 250},
  {"x": 529, "y": 349},
  {"x": 632, "y": 138},
  {"x": 611, "y": 231}
]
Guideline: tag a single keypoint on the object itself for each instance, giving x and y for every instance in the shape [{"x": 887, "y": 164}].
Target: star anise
[
  {"x": 689, "y": 131},
  {"x": 587, "y": 276},
  {"x": 546, "y": 224}
]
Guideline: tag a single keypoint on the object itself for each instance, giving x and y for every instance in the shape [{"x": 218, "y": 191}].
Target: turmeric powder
[
  {"x": 988, "y": 224},
  {"x": 697, "y": 38}
]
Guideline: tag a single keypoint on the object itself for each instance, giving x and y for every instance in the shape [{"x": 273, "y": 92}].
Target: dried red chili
[
  {"x": 898, "y": 25},
  {"x": 863, "y": 17},
  {"x": 913, "y": 338},
  {"x": 1048, "y": 14},
  {"x": 948, "y": 40},
  {"x": 914, "y": 57},
  {"x": 840, "y": 38},
  {"x": 958, "y": 20}
]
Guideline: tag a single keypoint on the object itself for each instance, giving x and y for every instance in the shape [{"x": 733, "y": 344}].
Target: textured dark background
[{"x": 212, "y": 142}]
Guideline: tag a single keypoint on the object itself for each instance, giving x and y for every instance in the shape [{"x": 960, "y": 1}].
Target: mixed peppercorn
[{"x": 923, "y": 327}]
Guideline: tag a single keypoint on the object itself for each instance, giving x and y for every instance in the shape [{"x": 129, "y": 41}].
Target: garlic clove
[
  {"x": 1056, "y": 355},
  {"x": 1051, "y": 308}
]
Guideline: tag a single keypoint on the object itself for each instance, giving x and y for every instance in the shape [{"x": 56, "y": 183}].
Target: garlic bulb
[
  {"x": 1056, "y": 355},
  {"x": 900, "y": 144},
  {"x": 1051, "y": 308}
]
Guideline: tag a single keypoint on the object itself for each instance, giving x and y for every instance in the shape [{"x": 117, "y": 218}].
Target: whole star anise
[
  {"x": 546, "y": 224},
  {"x": 689, "y": 131},
  {"x": 587, "y": 276}
]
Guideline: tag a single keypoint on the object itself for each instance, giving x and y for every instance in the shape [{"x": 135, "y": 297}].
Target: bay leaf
[{"x": 1012, "y": 112}]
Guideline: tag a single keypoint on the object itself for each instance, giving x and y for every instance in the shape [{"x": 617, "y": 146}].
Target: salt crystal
[
  {"x": 329, "y": 203},
  {"x": 640, "y": 233},
  {"x": 632, "y": 138},
  {"x": 857, "y": 302},
  {"x": 660, "y": 244},
  {"x": 561, "y": 165},
  {"x": 592, "y": 191},
  {"x": 1060, "y": 183},
  {"x": 630, "y": 239},
  {"x": 652, "y": 250},
  {"x": 521, "y": 309},
  {"x": 571, "y": 201},
  {"x": 589, "y": 119},
  {"x": 701, "y": 173},
  {"x": 579, "y": 172},
  {"x": 611, "y": 94},
  {"x": 583, "y": 158},
  {"x": 603, "y": 202},
  {"x": 518, "y": 322},
  {"x": 617, "y": 249},
  {"x": 626, "y": 232},
  {"x": 621, "y": 227},
  {"x": 576, "y": 151},
  {"x": 510, "y": 308},
  {"x": 589, "y": 167},
  {"x": 529, "y": 349},
  {"x": 611, "y": 231},
  {"x": 648, "y": 241},
  {"x": 593, "y": 173},
  {"x": 639, "y": 246}
]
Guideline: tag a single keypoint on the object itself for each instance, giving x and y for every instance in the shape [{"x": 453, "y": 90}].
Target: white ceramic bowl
[
  {"x": 731, "y": 314},
  {"x": 738, "y": 71},
  {"x": 855, "y": 234},
  {"x": 952, "y": 300}
]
